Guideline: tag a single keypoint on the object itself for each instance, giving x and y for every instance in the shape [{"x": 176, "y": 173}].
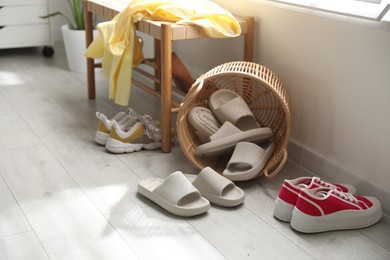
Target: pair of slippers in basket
[
  {"x": 229, "y": 125},
  {"x": 188, "y": 195}
]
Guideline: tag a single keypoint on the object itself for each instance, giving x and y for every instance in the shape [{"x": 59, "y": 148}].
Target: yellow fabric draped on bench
[{"x": 116, "y": 43}]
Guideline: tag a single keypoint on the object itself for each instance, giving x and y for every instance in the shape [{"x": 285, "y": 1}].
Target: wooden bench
[{"x": 163, "y": 33}]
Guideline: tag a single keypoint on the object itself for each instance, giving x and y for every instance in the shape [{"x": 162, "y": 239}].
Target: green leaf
[
  {"x": 51, "y": 15},
  {"x": 78, "y": 14},
  {"x": 77, "y": 8},
  {"x": 55, "y": 14}
]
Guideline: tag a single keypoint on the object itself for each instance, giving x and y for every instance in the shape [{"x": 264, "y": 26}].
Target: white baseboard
[{"x": 331, "y": 172}]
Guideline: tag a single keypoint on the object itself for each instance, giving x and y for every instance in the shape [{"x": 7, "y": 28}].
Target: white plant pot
[{"x": 74, "y": 41}]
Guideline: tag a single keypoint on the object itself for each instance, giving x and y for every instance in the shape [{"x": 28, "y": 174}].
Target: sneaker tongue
[
  {"x": 321, "y": 183},
  {"x": 306, "y": 183},
  {"x": 316, "y": 180}
]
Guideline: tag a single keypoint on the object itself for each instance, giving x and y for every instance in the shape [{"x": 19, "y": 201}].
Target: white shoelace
[
  {"x": 346, "y": 196},
  {"x": 327, "y": 184},
  {"x": 131, "y": 112}
]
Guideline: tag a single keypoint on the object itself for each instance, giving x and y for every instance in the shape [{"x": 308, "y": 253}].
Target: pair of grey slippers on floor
[
  {"x": 230, "y": 126},
  {"x": 188, "y": 195}
]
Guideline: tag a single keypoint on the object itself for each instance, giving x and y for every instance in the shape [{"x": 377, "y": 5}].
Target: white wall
[{"x": 338, "y": 77}]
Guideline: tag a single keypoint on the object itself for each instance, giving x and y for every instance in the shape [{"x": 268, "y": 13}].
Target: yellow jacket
[{"x": 119, "y": 50}]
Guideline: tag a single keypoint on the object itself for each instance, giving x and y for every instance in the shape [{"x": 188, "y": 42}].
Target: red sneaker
[
  {"x": 288, "y": 194},
  {"x": 324, "y": 209}
]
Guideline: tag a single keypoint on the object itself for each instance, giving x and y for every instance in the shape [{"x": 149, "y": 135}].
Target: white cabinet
[{"x": 20, "y": 25}]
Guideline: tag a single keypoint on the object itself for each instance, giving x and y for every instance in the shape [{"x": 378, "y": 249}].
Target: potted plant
[{"x": 73, "y": 34}]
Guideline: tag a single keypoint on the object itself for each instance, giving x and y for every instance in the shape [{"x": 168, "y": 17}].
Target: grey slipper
[
  {"x": 175, "y": 194},
  {"x": 204, "y": 122},
  {"x": 226, "y": 138},
  {"x": 216, "y": 188},
  {"x": 248, "y": 160},
  {"x": 228, "y": 105}
]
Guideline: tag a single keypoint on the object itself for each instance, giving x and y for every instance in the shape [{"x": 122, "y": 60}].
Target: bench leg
[
  {"x": 90, "y": 62},
  {"x": 249, "y": 40},
  {"x": 166, "y": 86}
]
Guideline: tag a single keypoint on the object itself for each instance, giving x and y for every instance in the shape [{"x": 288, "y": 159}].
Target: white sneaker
[
  {"x": 144, "y": 134},
  {"x": 105, "y": 124}
]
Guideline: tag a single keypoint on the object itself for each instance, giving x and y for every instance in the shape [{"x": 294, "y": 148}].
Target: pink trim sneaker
[
  {"x": 288, "y": 194},
  {"x": 324, "y": 209}
]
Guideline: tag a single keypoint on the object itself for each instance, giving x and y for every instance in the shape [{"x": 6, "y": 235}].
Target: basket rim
[{"x": 220, "y": 71}]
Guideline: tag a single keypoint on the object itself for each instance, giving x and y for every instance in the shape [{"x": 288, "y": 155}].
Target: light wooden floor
[{"x": 64, "y": 197}]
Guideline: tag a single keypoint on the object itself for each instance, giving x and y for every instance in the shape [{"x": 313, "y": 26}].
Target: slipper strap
[
  {"x": 175, "y": 187},
  {"x": 225, "y": 130},
  {"x": 246, "y": 152},
  {"x": 233, "y": 110},
  {"x": 209, "y": 181}
]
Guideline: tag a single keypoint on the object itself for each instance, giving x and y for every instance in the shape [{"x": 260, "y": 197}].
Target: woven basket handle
[{"x": 279, "y": 167}]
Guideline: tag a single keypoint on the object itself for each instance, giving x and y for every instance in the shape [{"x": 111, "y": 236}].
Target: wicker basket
[{"x": 266, "y": 97}]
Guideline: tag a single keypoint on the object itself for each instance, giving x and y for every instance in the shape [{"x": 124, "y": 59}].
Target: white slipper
[
  {"x": 175, "y": 194},
  {"x": 248, "y": 160},
  {"x": 238, "y": 124},
  {"x": 204, "y": 122},
  {"x": 216, "y": 188},
  {"x": 226, "y": 138},
  {"x": 228, "y": 105}
]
